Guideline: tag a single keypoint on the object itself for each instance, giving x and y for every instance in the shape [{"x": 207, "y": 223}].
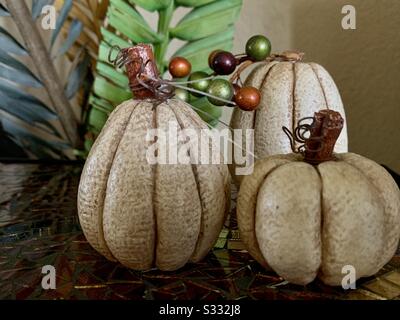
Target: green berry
[
  {"x": 182, "y": 94},
  {"x": 199, "y": 85},
  {"x": 220, "y": 88},
  {"x": 258, "y": 48}
]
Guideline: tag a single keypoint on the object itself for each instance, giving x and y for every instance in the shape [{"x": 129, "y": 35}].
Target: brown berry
[
  {"x": 180, "y": 67},
  {"x": 224, "y": 63},
  {"x": 248, "y": 98},
  {"x": 212, "y": 56}
]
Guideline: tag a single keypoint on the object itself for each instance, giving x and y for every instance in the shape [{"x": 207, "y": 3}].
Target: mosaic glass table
[{"x": 39, "y": 226}]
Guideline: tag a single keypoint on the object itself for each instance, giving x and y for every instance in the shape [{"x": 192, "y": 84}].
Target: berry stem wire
[
  {"x": 228, "y": 126},
  {"x": 213, "y": 118},
  {"x": 178, "y": 85},
  {"x": 204, "y": 94},
  {"x": 202, "y": 111}
]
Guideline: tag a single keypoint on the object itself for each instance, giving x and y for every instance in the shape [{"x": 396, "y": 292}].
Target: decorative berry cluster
[{"x": 219, "y": 91}]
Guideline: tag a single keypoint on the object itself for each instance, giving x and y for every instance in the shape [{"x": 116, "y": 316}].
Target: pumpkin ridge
[
  {"x": 340, "y": 231},
  {"x": 294, "y": 118},
  {"x": 187, "y": 112},
  {"x": 334, "y": 99},
  {"x": 381, "y": 199},
  {"x": 204, "y": 232},
  {"x": 263, "y": 82},
  {"x": 175, "y": 196},
  {"x": 99, "y": 245},
  {"x": 196, "y": 179},
  {"x": 322, "y": 217},
  {"x": 153, "y": 195},
  {"x": 190, "y": 114},
  {"x": 368, "y": 178},
  {"x": 252, "y": 233},
  {"x": 108, "y": 176},
  {"x": 320, "y": 83},
  {"x": 298, "y": 271}
]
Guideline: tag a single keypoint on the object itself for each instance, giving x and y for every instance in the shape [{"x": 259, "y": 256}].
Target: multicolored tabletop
[{"x": 39, "y": 226}]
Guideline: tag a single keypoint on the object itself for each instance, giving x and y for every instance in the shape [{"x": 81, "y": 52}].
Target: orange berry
[
  {"x": 179, "y": 67},
  {"x": 248, "y": 98}
]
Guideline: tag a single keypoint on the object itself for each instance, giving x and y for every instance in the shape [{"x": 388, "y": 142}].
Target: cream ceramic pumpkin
[
  {"x": 150, "y": 215},
  {"x": 307, "y": 221},
  {"x": 290, "y": 90}
]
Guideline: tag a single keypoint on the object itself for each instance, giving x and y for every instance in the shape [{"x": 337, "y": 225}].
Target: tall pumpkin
[
  {"x": 314, "y": 216},
  {"x": 290, "y": 90},
  {"x": 149, "y": 215}
]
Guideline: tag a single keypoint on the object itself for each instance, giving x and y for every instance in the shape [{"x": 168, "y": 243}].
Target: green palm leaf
[
  {"x": 198, "y": 51},
  {"x": 152, "y": 5},
  {"x": 193, "y": 3},
  {"x": 208, "y": 26},
  {"x": 207, "y": 20}
]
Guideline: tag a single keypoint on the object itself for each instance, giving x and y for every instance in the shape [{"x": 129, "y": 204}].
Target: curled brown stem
[
  {"x": 322, "y": 133},
  {"x": 236, "y": 76}
]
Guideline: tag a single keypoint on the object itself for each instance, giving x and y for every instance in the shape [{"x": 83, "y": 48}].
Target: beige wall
[{"x": 365, "y": 62}]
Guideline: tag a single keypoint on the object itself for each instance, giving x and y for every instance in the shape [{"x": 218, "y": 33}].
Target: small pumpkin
[
  {"x": 290, "y": 90},
  {"x": 309, "y": 216},
  {"x": 149, "y": 215}
]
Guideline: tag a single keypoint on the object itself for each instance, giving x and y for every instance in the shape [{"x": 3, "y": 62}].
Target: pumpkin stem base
[
  {"x": 324, "y": 132},
  {"x": 140, "y": 66}
]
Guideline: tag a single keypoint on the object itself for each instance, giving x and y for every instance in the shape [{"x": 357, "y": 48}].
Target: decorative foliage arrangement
[
  {"x": 219, "y": 91},
  {"x": 57, "y": 89},
  {"x": 58, "y": 110},
  {"x": 207, "y": 27},
  {"x": 214, "y": 89},
  {"x": 355, "y": 198},
  {"x": 45, "y": 79}
]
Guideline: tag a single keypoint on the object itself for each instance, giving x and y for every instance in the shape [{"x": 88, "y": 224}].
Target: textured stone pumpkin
[
  {"x": 144, "y": 215},
  {"x": 307, "y": 221},
  {"x": 290, "y": 90}
]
